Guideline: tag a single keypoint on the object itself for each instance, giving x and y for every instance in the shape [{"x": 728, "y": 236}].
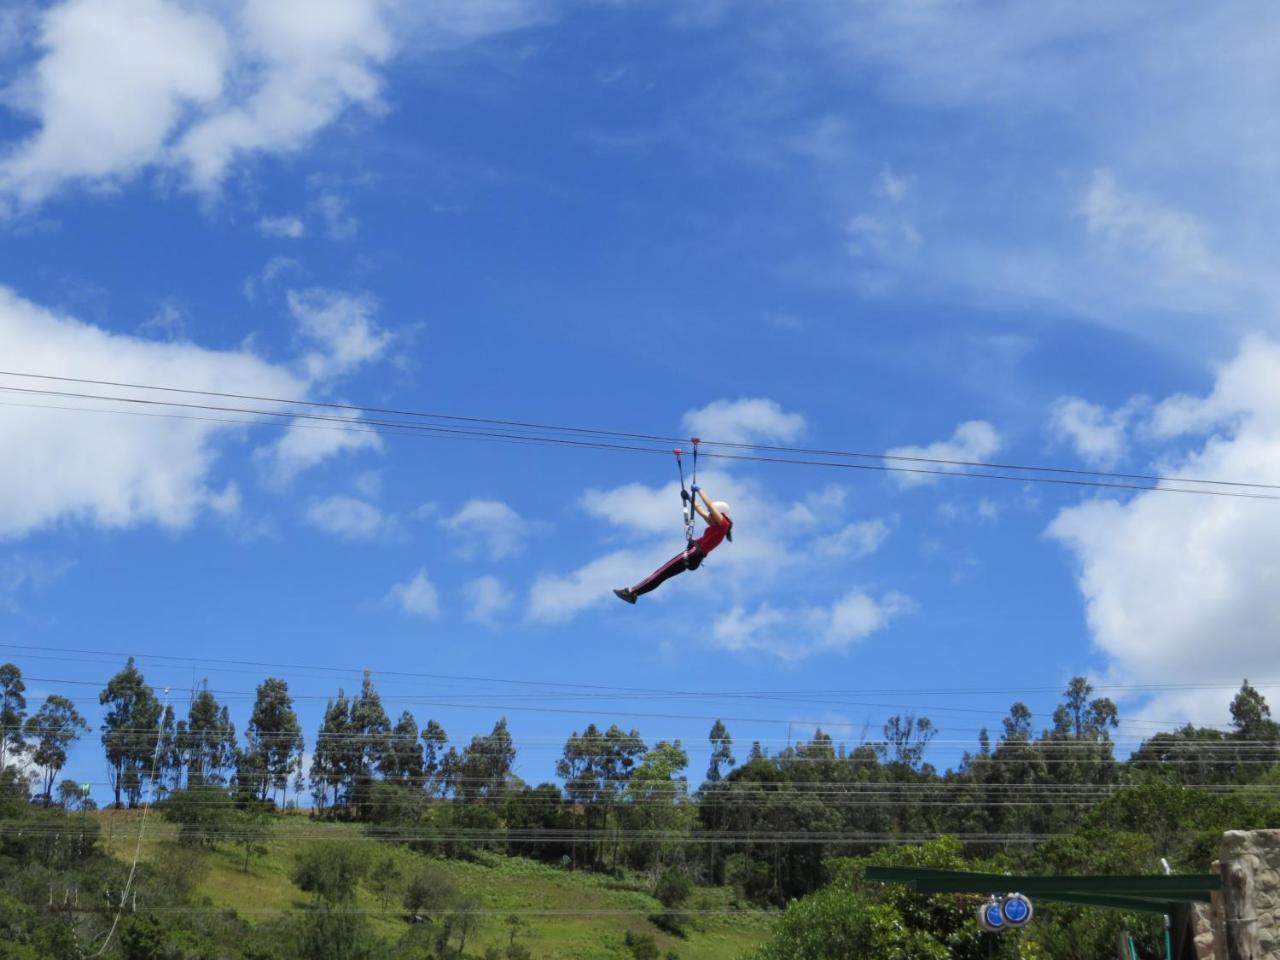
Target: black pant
[{"x": 690, "y": 559}]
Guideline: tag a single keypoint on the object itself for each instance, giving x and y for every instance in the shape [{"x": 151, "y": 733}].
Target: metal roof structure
[{"x": 1141, "y": 893}]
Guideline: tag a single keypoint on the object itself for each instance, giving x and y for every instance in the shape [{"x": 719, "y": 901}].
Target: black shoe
[{"x": 625, "y": 594}]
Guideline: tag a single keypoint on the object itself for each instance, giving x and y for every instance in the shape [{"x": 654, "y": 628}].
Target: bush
[
  {"x": 642, "y": 946},
  {"x": 430, "y": 893},
  {"x": 331, "y": 871},
  {"x": 673, "y": 887},
  {"x": 201, "y": 813}
]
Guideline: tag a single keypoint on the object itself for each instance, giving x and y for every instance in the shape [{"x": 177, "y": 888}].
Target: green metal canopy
[{"x": 1147, "y": 894}]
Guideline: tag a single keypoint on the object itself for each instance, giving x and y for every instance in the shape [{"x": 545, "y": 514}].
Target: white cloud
[
  {"x": 973, "y": 440},
  {"x": 346, "y": 517},
  {"x": 169, "y": 322},
  {"x": 113, "y": 470},
  {"x": 744, "y": 421},
  {"x": 1172, "y": 239},
  {"x": 307, "y": 443},
  {"x": 122, "y": 86},
  {"x": 637, "y": 507},
  {"x": 287, "y": 227},
  {"x": 557, "y": 598},
  {"x": 1100, "y": 436},
  {"x": 446, "y": 23},
  {"x": 339, "y": 223},
  {"x": 312, "y": 59},
  {"x": 853, "y": 541},
  {"x": 115, "y": 77},
  {"x": 417, "y": 597},
  {"x": 266, "y": 278},
  {"x": 20, "y": 575},
  {"x": 343, "y": 327},
  {"x": 369, "y": 483},
  {"x": 880, "y": 236},
  {"x": 488, "y": 527},
  {"x": 488, "y": 597},
  {"x": 797, "y": 633},
  {"x": 647, "y": 522},
  {"x": 1180, "y": 588},
  {"x": 893, "y": 186}
]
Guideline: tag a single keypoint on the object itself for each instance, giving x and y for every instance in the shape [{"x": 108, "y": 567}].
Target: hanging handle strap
[{"x": 686, "y": 497}]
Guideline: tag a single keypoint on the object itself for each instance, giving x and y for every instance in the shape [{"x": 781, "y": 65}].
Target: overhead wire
[
  {"x": 524, "y": 424},
  {"x": 505, "y": 430}
]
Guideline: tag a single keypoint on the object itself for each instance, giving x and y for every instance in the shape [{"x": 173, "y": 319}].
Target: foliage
[
  {"x": 835, "y": 924},
  {"x": 274, "y": 737},
  {"x": 331, "y": 870},
  {"x": 673, "y": 887},
  {"x": 130, "y": 732},
  {"x": 13, "y": 706},
  {"x": 54, "y": 728},
  {"x": 429, "y": 893}
]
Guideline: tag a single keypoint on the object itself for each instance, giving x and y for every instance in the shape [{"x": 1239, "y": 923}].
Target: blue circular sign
[
  {"x": 1016, "y": 909},
  {"x": 991, "y": 913}
]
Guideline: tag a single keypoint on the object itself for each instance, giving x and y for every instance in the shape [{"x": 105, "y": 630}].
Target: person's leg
[{"x": 688, "y": 560}]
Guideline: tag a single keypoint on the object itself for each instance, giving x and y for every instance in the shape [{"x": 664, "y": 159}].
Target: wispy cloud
[
  {"x": 973, "y": 440},
  {"x": 417, "y": 596}
]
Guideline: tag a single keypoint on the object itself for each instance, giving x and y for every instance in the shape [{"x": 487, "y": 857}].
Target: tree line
[{"x": 765, "y": 823}]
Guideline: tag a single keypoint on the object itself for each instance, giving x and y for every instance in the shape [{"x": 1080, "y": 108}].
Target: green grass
[{"x": 568, "y": 915}]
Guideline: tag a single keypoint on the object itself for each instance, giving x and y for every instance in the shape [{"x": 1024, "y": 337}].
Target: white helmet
[{"x": 721, "y": 506}]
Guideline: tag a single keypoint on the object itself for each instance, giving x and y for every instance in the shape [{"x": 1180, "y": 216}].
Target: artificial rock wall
[{"x": 1247, "y": 920}]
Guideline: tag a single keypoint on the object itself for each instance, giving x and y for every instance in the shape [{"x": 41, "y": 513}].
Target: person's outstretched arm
[{"x": 710, "y": 513}]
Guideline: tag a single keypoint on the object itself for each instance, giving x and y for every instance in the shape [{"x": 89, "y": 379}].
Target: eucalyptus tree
[
  {"x": 130, "y": 732},
  {"x": 13, "y": 710},
  {"x": 54, "y": 728},
  {"x": 274, "y": 736}
]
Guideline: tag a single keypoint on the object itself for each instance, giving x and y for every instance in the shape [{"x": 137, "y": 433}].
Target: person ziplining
[{"x": 719, "y": 528}]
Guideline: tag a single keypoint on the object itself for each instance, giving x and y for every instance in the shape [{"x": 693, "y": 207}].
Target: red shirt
[{"x": 714, "y": 535}]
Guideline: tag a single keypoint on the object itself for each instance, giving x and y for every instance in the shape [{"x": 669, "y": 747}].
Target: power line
[
  {"x": 606, "y": 439},
  {"x": 551, "y": 685}
]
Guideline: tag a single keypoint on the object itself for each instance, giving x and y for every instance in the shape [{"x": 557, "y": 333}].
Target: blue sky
[{"x": 994, "y": 231}]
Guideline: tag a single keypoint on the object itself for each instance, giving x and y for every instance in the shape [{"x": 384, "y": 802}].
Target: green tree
[
  {"x": 463, "y": 919},
  {"x": 402, "y": 762},
  {"x": 487, "y": 764},
  {"x": 274, "y": 738},
  {"x": 130, "y": 732},
  {"x": 1251, "y": 716},
  {"x": 906, "y": 738},
  {"x": 145, "y": 938},
  {"x": 203, "y": 813},
  {"x": 54, "y": 728},
  {"x": 434, "y": 740},
  {"x": 642, "y": 946},
  {"x": 721, "y": 751},
  {"x": 331, "y": 871},
  {"x": 207, "y": 741},
  {"x": 656, "y": 804},
  {"x": 367, "y": 732},
  {"x": 596, "y": 767},
  {"x": 673, "y": 887},
  {"x": 385, "y": 881},
  {"x": 252, "y": 823},
  {"x": 328, "y": 931},
  {"x": 13, "y": 710},
  {"x": 429, "y": 893},
  {"x": 329, "y": 761}
]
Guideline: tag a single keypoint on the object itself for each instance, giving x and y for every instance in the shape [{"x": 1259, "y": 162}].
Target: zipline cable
[{"x": 593, "y": 432}]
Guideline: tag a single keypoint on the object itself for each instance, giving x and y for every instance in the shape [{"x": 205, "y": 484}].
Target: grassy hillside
[{"x": 566, "y": 914}]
